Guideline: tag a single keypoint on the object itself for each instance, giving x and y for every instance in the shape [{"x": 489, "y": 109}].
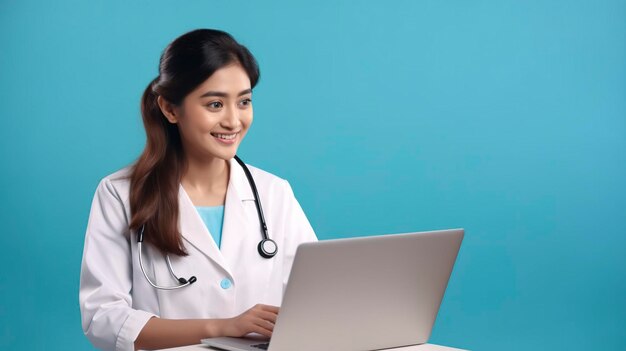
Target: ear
[{"x": 168, "y": 109}]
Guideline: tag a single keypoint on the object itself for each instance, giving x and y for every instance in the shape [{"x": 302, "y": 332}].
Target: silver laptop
[{"x": 360, "y": 294}]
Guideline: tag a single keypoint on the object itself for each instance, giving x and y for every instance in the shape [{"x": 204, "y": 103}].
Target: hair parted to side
[{"x": 154, "y": 180}]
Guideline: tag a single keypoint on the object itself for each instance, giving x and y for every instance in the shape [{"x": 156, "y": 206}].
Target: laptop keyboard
[{"x": 263, "y": 346}]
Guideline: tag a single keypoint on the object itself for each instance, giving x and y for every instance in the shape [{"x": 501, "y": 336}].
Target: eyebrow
[{"x": 221, "y": 94}]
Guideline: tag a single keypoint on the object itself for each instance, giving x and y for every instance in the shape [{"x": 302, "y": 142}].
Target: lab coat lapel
[
  {"x": 195, "y": 231},
  {"x": 239, "y": 217}
]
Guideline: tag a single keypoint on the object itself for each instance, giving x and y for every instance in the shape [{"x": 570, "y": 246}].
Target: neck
[{"x": 206, "y": 180}]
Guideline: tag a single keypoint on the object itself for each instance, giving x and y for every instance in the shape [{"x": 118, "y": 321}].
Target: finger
[
  {"x": 268, "y": 316},
  {"x": 269, "y": 308},
  {"x": 265, "y": 323},
  {"x": 260, "y": 329}
]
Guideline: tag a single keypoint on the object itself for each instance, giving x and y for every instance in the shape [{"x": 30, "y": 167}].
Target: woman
[{"x": 192, "y": 205}]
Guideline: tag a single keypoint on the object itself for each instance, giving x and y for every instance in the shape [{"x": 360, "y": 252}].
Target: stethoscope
[{"x": 267, "y": 247}]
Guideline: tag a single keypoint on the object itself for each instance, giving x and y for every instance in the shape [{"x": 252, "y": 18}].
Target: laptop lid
[{"x": 365, "y": 293}]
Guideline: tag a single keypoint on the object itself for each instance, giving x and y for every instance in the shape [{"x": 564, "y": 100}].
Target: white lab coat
[{"x": 115, "y": 298}]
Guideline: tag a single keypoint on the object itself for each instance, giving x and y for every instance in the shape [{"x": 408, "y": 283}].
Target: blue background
[{"x": 507, "y": 118}]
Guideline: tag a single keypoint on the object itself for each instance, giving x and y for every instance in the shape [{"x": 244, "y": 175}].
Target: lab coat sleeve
[
  {"x": 297, "y": 230},
  {"x": 108, "y": 319}
]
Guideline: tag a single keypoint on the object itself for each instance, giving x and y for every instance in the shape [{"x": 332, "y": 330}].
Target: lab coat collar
[
  {"x": 236, "y": 221},
  {"x": 239, "y": 183}
]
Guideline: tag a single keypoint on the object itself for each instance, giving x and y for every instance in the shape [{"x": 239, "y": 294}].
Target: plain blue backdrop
[{"x": 507, "y": 118}]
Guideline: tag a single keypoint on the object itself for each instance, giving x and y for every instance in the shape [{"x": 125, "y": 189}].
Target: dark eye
[
  {"x": 245, "y": 102},
  {"x": 214, "y": 105}
]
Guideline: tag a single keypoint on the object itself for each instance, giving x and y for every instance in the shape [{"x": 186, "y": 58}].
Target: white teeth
[{"x": 225, "y": 136}]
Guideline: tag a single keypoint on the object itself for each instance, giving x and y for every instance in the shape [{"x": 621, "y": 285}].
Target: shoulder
[
  {"x": 116, "y": 184},
  {"x": 267, "y": 180},
  {"x": 110, "y": 205},
  {"x": 264, "y": 176},
  {"x": 122, "y": 175}
]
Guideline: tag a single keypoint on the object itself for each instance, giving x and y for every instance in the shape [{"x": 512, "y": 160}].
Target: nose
[{"x": 231, "y": 119}]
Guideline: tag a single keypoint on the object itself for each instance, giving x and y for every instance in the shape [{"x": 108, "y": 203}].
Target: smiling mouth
[{"x": 229, "y": 136}]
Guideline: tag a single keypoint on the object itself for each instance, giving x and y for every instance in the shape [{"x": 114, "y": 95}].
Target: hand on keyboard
[{"x": 259, "y": 319}]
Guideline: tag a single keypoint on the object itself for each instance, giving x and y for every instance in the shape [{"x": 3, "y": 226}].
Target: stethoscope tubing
[
  {"x": 259, "y": 208},
  {"x": 267, "y": 247}
]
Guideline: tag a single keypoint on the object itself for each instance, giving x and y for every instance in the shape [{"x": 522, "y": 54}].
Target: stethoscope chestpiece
[{"x": 267, "y": 248}]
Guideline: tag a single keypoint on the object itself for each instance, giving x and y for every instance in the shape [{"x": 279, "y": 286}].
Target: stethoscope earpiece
[{"x": 189, "y": 282}]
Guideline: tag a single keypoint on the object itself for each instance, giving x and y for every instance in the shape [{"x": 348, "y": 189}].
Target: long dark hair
[{"x": 154, "y": 181}]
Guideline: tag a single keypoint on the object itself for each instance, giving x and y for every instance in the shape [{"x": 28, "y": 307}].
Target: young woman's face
[{"x": 214, "y": 118}]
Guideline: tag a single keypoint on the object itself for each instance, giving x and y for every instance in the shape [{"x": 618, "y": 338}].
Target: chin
[{"x": 226, "y": 156}]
